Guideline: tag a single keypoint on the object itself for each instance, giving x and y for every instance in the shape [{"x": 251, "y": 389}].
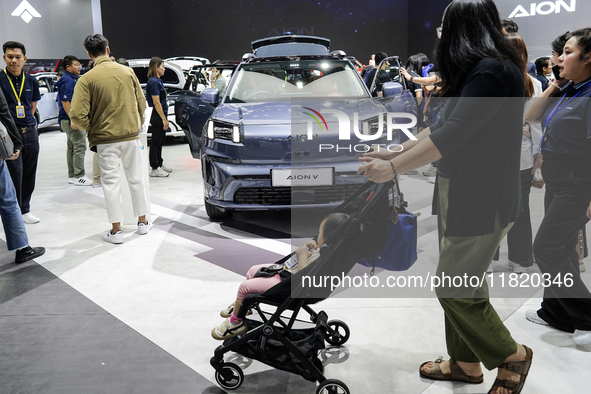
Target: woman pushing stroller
[{"x": 262, "y": 277}]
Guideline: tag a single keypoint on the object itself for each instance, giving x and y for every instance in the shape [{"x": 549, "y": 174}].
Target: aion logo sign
[
  {"x": 26, "y": 11},
  {"x": 544, "y": 8},
  {"x": 344, "y": 123}
]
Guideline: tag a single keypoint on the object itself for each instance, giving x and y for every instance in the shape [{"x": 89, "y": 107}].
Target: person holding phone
[
  {"x": 156, "y": 96},
  {"x": 566, "y": 169},
  {"x": 557, "y": 49},
  {"x": 218, "y": 81}
]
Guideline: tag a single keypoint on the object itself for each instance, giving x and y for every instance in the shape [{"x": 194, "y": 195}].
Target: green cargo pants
[{"x": 473, "y": 330}]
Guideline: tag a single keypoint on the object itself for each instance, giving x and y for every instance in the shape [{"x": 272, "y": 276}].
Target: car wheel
[{"x": 216, "y": 213}]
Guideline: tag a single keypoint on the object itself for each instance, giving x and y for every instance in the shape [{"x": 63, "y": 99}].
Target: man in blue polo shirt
[
  {"x": 22, "y": 93},
  {"x": 76, "y": 145}
]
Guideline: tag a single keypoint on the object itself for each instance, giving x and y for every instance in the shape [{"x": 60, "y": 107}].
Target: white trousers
[{"x": 110, "y": 158}]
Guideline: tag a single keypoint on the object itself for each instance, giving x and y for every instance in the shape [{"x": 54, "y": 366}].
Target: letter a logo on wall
[{"x": 26, "y": 11}]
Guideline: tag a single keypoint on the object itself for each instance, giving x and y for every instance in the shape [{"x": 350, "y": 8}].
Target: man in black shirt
[
  {"x": 22, "y": 93},
  {"x": 383, "y": 76}
]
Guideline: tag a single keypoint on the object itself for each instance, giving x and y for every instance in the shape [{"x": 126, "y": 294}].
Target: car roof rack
[{"x": 290, "y": 45}]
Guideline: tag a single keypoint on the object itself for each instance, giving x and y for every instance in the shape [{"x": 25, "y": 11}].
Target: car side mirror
[
  {"x": 391, "y": 89},
  {"x": 211, "y": 96},
  {"x": 43, "y": 90}
]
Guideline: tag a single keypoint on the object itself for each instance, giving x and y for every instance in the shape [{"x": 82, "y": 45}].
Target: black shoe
[{"x": 28, "y": 253}]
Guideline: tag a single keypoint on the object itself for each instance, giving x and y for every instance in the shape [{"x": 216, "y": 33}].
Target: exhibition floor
[{"x": 91, "y": 317}]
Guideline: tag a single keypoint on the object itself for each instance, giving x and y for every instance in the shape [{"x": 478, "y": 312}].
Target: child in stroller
[{"x": 262, "y": 277}]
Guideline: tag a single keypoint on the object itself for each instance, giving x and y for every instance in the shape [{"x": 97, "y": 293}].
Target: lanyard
[
  {"x": 163, "y": 88},
  {"x": 557, "y": 109},
  {"x": 18, "y": 97}
]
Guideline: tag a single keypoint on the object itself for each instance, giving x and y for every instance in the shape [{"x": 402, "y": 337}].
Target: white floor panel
[{"x": 158, "y": 285}]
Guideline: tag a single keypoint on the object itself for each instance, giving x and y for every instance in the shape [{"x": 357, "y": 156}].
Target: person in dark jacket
[
  {"x": 12, "y": 220},
  {"x": 477, "y": 191}
]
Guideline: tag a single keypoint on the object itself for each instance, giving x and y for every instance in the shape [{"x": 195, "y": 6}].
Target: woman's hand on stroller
[{"x": 376, "y": 170}]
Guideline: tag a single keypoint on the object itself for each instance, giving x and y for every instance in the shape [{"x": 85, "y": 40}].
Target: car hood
[
  {"x": 292, "y": 112},
  {"x": 280, "y": 131}
]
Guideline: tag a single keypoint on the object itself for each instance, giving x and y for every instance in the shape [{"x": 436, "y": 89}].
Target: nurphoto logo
[
  {"x": 26, "y": 11},
  {"x": 345, "y": 126}
]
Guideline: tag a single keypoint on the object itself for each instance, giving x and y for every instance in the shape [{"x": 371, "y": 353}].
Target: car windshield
[{"x": 259, "y": 82}]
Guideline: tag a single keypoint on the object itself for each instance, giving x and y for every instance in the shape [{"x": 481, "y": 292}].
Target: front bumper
[{"x": 239, "y": 186}]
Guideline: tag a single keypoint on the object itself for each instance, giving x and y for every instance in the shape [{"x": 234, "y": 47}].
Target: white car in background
[
  {"x": 47, "y": 109},
  {"x": 173, "y": 80},
  {"x": 186, "y": 63}
]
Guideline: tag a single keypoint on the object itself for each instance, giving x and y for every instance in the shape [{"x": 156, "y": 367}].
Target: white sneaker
[
  {"x": 82, "y": 181},
  {"x": 228, "y": 330},
  {"x": 158, "y": 172},
  {"x": 517, "y": 268},
  {"x": 432, "y": 171},
  {"x": 29, "y": 218},
  {"x": 533, "y": 317},
  {"x": 116, "y": 238},
  {"x": 166, "y": 169},
  {"x": 71, "y": 180},
  {"x": 582, "y": 337},
  {"x": 143, "y": 228},
  {"x": 582, "y": 266}
]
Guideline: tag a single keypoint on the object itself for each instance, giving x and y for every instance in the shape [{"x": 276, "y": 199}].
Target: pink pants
[{"x": 254, "y": 285}]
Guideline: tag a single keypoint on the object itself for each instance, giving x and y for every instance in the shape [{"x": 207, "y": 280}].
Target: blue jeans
[{"x": 12, "y": 219}]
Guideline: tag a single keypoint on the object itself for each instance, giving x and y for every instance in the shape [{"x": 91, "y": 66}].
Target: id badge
[{"x": 20, "y": 111}]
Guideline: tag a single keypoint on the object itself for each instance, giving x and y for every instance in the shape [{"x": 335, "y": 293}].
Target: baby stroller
[{"x": 273, "y": 339}]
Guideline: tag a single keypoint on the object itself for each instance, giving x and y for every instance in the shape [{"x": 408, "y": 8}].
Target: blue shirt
[
  {"x": 30, "y": 94},
  {"x": 569, "y": 130},
  {"x": 543, "y": 80},
  {"x": 154, "y": 87},
  {"x": 65, "y": 91}
]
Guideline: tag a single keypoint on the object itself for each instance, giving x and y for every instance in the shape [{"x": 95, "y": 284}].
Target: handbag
[
  {"x": 6, "y": 144},
  {"x": 400, "y": 250}
]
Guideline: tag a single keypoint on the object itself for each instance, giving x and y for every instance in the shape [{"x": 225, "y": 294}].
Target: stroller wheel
[
  {"x": 234, "y": 377},
  {"x": 338, "y": 332},
  {"x": 332, "y": 386}
]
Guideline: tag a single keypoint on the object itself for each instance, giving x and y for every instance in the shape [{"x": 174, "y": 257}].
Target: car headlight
[{"x": 223, "y": 131}]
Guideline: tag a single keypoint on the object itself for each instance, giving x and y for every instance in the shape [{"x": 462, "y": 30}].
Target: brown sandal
[
  {"x": 456, "y": 374},
  {"x": 518, "y": 367}
]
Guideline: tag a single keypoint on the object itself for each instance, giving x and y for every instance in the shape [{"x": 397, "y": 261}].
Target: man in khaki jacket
[{"x": 109, "y": 103}]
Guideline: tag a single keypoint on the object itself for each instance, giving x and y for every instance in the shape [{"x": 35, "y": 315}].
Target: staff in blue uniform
[
  {"x": 566, "y": 168},
  {"x": 156, "y": 97},
  {"x": 76, "y": 144},
  {"x": 22, "y": 93}
]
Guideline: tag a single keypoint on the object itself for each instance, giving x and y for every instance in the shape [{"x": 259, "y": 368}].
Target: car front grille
[{"x": 300, "y": 196}]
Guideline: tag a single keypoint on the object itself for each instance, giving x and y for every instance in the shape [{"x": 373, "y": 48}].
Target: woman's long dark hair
[
  {"x": 471, "y": 32},
  {"x": 415, "y": 63},
  {"x": 517, "y": 42}
]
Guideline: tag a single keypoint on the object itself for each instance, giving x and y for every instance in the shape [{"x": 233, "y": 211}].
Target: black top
[
  {"x": 7, "y": 121},
  {"x": 30, "y": 94},
  {"x": 382, "y": 78},
  {"x": 479, "y": 138},
  {"x": 569, "y": 130}
]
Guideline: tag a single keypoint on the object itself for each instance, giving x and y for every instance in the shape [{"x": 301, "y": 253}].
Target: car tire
[{"x": 216, "y": 213}]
